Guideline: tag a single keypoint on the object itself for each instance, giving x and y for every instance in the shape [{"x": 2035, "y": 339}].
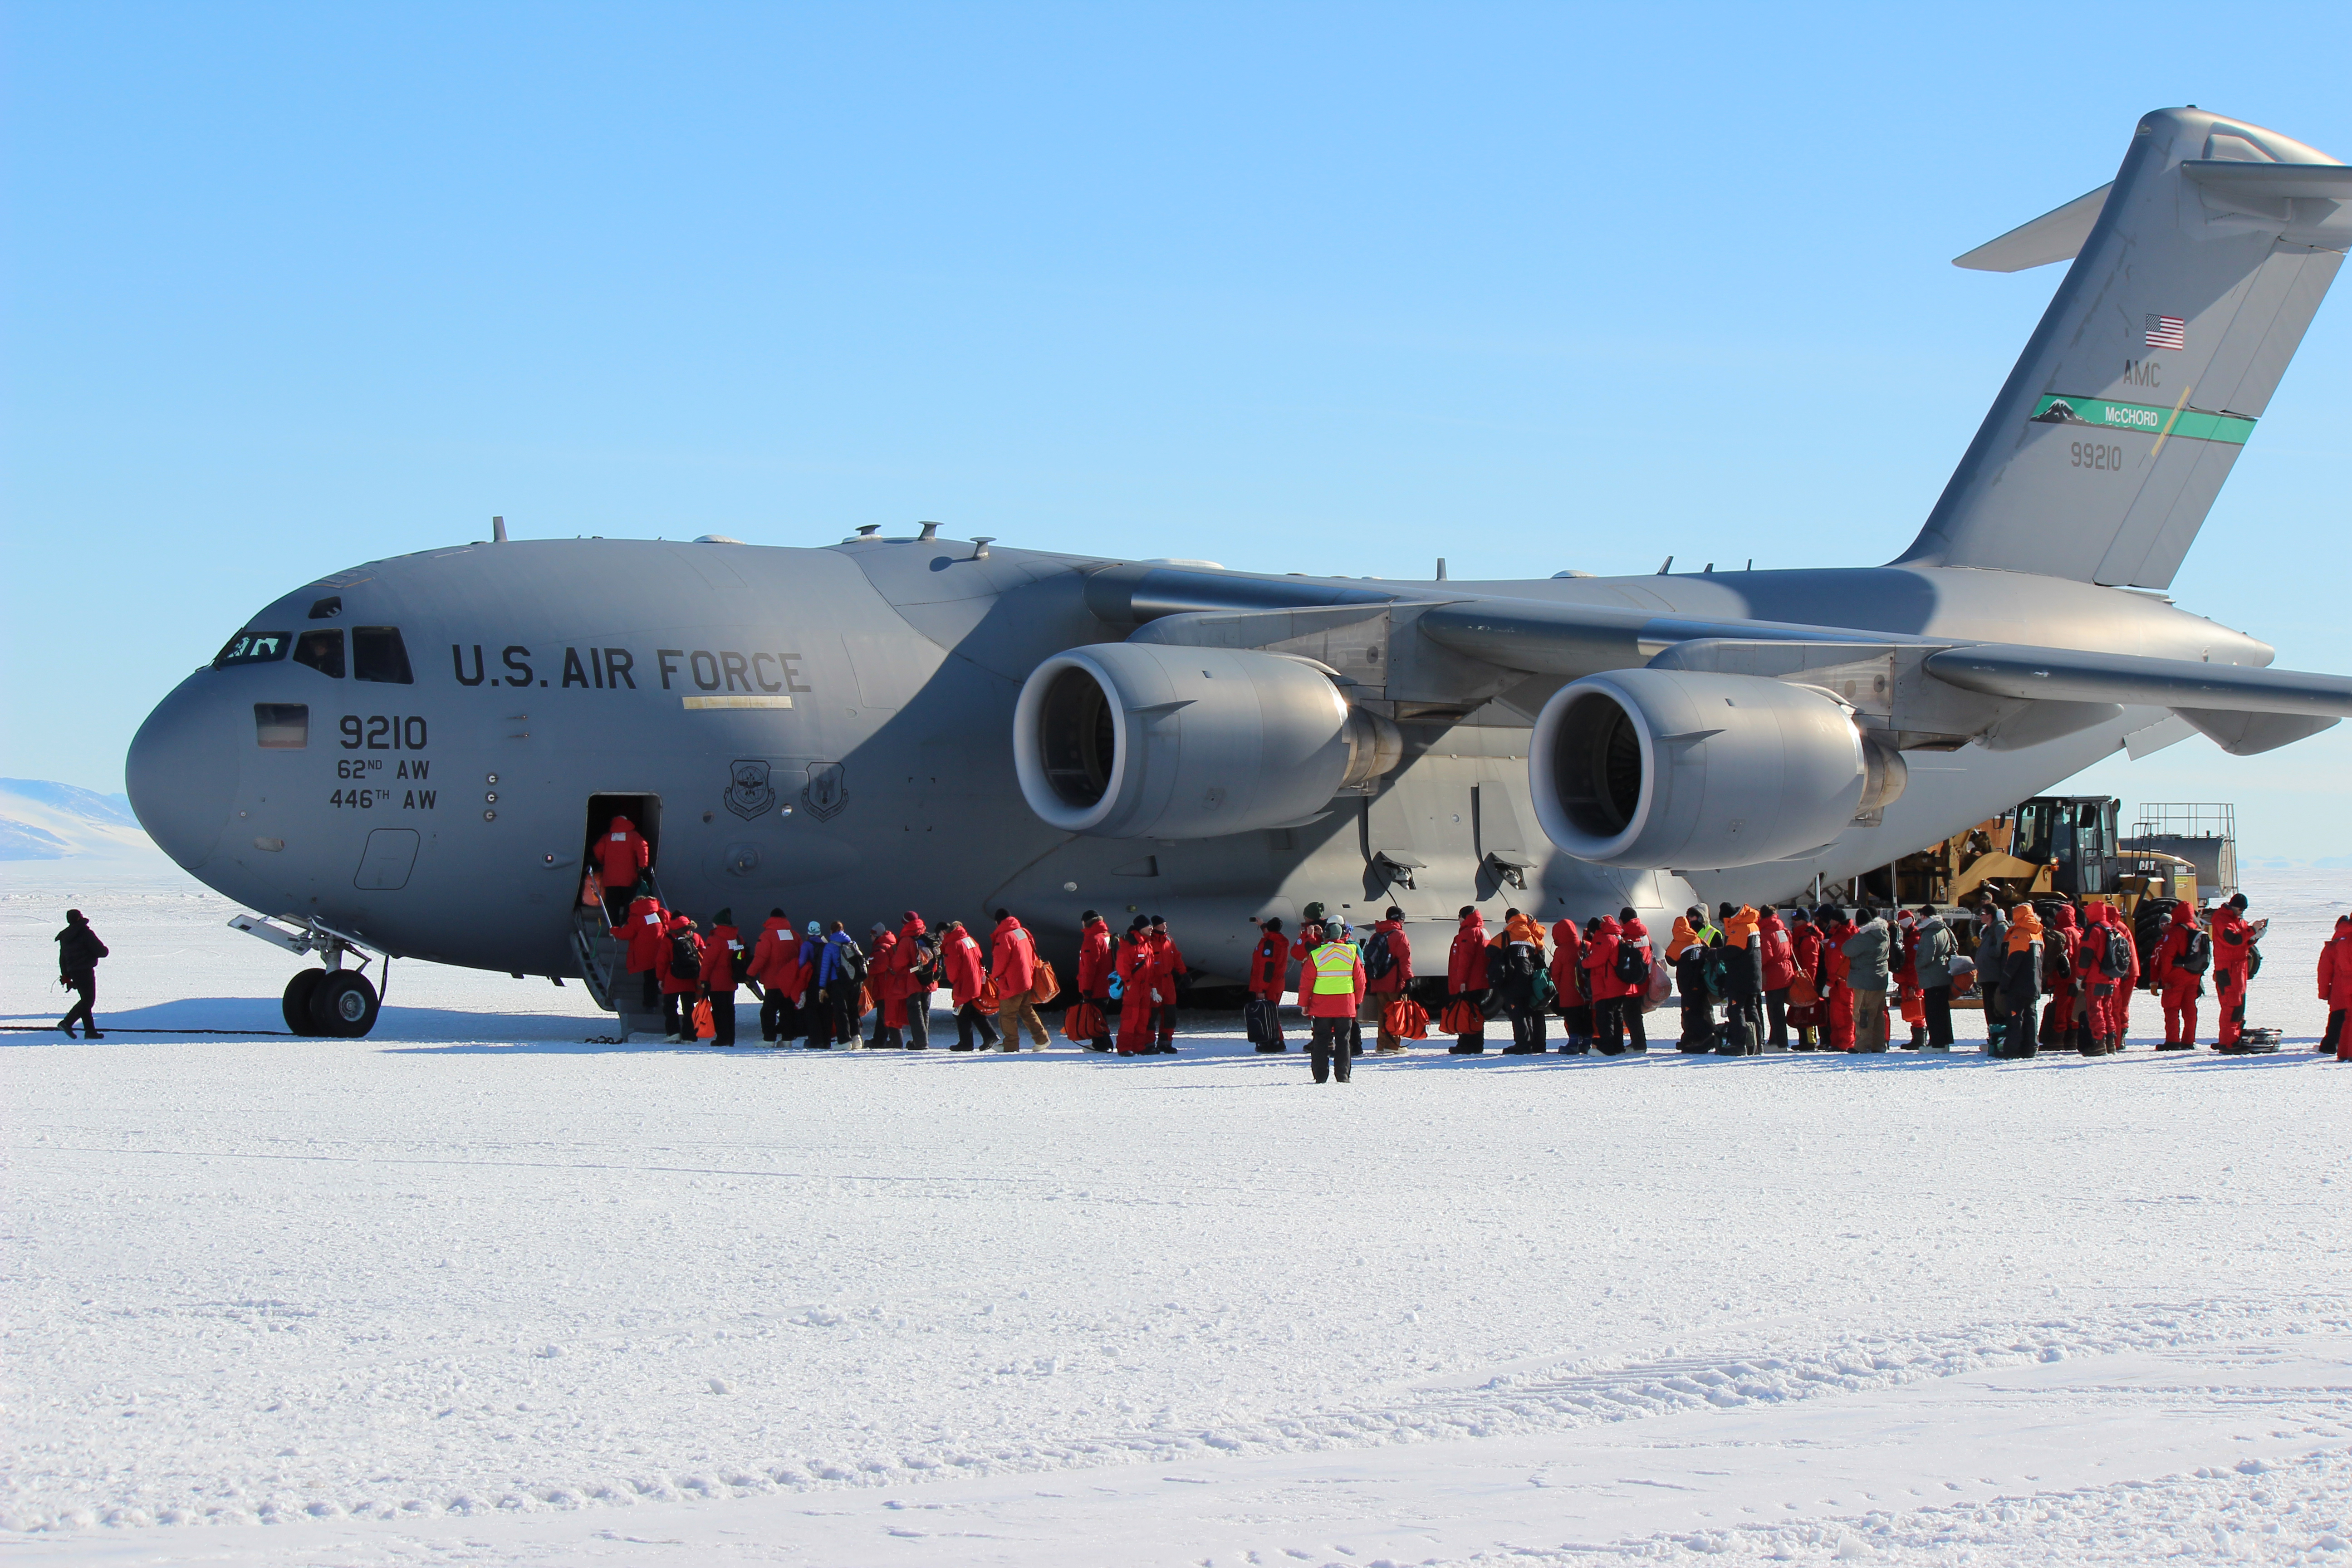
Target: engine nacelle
[
  {"x": 1684, "y": 770},
  {"x": 1160, "y": 740}
]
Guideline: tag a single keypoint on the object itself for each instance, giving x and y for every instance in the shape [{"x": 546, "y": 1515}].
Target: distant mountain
[{"x": 44, "y": 820}]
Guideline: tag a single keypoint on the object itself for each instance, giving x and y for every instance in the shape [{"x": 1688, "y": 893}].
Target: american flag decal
[{"x": 2168, "y": 333}]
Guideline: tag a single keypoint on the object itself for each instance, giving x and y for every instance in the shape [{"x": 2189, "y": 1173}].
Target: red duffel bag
[
  {"x": 1405, "y": 1018},
  {"x": 1083, "y": 1023},
  {"x": 1463, "y": 1017}
]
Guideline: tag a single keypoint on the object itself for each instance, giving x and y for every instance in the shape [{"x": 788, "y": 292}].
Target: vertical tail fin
[{"x": 2195, "y": 280}]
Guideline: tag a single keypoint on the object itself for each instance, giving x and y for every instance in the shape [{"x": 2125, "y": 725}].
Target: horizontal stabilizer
[{"x": 2055, "y": 236}]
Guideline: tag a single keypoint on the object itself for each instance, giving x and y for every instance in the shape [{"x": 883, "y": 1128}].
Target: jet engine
[
  {"x": 1691, "y": 771},
  {"x": 1159, "y": 741}
]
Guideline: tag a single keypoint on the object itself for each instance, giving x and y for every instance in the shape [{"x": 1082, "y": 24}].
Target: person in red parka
[
  {"x": 2109, "y": 994},
  {"x": 1779, "y": 951},
  {"x": 1465, "y": 976},
  {"x": 1167, "y": 970},
  {"x": 646, "y": 926},
  {"x": 1575, "y": 1004},
  {"x": 1805, "y": 979},
  {"x": 774, "y": 973},
  {"x": 891, "y": 968},
  {"x": 623, "y": 857},
  {"x": 1390, "y": 947},
  {"x": 1602, "y": 935},
  {"x": 1635, "y": 1001},
  {"x": 677, "y": 987},
  {"x": 2335, "y": 987},
  {"x": 2233, "y": 945},
  {"x": 2178, "y": 968},
  {"x": 1269, "y": 971},
  {"x": 1012, "y": 963},
  {"x": 967, "y": 973},
  {"x": 722, "y": 965},
  {"x": 1837, "y": 1022},
  {"x": 1095, "y": 956},
  {"x": 1131, "y": 963}
]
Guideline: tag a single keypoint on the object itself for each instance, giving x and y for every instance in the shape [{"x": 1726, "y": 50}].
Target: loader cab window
[
  {"x": 253, "y": 647},
  {"x": 323, "y": 651},
  {"x": 2031, "y": 839},
  {"x": 378, "y": 654}
]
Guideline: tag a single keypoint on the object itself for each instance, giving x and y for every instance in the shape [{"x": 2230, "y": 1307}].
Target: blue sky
[{"x": 1316, "y": 288}]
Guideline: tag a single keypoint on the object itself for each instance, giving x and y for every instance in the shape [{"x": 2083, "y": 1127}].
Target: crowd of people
[{"x": 2051, "y": 974}]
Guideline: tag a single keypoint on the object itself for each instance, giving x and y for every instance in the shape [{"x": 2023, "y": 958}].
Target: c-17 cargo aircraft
[{"x": 413, "y": 757}]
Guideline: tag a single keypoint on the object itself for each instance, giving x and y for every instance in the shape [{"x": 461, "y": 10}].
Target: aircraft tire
[
  {"x": 343, "y": 1006},
  {"x": 295, "y": 1003}
]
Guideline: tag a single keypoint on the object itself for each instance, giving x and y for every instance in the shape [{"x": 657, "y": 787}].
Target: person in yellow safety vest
[{"x": 1332, "y": 992}]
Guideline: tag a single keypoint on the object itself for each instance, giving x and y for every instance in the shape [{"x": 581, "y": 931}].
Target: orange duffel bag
[
  {"x": 1463, "y": 1017},
  {"x": 1083, "y": 1023},
  {"x": 1405, "y": 1018}
]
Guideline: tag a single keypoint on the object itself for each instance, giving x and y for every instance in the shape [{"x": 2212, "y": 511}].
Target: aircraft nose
[{"x": 182, "y": 771}]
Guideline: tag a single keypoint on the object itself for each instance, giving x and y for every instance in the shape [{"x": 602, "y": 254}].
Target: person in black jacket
[{"x": 78, "y": 950}]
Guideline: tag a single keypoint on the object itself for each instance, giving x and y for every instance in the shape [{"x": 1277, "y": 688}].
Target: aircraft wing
[{"x": 2063, "y": 675}]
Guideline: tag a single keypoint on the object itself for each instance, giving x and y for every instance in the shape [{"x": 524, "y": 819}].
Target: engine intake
[
  {"x": 1685, "y": 770},
  {"x": 1154, "y": 740}
]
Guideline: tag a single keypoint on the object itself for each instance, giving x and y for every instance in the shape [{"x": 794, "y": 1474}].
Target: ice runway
[{"x": 475, "y": 1290}]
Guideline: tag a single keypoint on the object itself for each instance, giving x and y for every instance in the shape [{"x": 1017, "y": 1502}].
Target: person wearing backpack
[
  {"x": 1388, "y": 971},
  {"x": 2112, "y": 968},
  {"x": 2182, "y": 961},
  {"x": 1517, "y": 961},
  {"x": 841, "y": 973},
  {"x": 78, "y": 950},
  {"x": 678, "y": 964},
  {"x": 1933, "y": 949},
  {"x": 1743, "y": 972},
  {"x": 2061, "y": 942}
]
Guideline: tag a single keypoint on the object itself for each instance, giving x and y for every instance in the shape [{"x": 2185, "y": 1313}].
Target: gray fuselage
[{"x": 828, "y": 731}]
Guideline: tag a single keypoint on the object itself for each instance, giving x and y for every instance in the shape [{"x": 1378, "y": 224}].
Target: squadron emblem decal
[
  {"x": 748, "y": 792},
  {"x": 828, "y": 791}
]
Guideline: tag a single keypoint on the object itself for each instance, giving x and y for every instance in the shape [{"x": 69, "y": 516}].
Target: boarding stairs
[{"x": 603, "y": 964}]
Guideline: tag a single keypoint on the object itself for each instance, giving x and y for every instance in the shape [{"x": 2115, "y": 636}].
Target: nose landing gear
[{"x": 331, "y": 1002}]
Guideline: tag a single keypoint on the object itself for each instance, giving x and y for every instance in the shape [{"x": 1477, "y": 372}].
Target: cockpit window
[
  {"x": 323, "y": 651},
  {"x": 378, "y": 654},
  {"x": 253, "y": 647}
]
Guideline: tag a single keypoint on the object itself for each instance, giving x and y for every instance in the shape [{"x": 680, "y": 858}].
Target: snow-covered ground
[{"x": 474, "y": 1290}]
